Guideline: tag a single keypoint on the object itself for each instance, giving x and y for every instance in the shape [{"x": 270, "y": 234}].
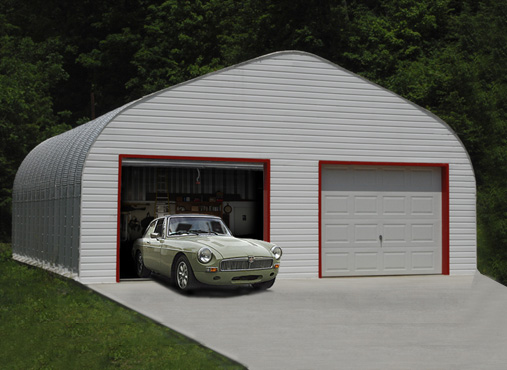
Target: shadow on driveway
[{"x": 208, "y": 291}]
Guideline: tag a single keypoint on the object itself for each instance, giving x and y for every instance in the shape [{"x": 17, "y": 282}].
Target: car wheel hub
[
  {"x": 139, "y": 263},
  {"x": 182, "y": 275}
]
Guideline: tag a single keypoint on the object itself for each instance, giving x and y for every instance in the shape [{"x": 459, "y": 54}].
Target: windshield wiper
[{"x": 204, "y": 232}]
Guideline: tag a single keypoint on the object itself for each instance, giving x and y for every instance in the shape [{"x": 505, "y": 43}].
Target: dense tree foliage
[
  {"x": 64, "y": 63},
  {"x": 28, "y": 72}
]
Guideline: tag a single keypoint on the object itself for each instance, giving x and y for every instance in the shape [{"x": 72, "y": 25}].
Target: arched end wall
[{"x": 295, "y": 110}]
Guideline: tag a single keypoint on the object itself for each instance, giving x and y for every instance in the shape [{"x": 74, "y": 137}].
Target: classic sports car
[{"x": 190, "y": 249}]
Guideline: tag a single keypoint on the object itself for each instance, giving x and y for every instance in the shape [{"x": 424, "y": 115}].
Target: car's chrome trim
[{"x": 244, "y": 264}]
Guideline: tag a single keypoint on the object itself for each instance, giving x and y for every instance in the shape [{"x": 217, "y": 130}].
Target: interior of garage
[{"x": 153, "y": 188}]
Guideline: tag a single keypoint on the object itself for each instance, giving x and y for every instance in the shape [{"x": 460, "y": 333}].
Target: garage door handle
[{"x": 380, "y": 238}]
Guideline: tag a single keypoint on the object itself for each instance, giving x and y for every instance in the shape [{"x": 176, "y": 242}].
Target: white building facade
[{"x": 347, "y": 177}]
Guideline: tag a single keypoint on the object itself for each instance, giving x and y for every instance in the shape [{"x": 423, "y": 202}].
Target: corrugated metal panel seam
[{"x": 51, "y": 174}]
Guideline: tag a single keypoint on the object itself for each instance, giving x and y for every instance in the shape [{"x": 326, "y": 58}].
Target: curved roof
[
  {"x": 57, "y": 163},
  {"x": 59, "y": 160},
  {"x": 46, "y": 198}
]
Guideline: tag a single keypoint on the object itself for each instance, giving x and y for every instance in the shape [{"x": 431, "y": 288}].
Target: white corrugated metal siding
[
  {"x": 294, "y": 109},
  {"x": 47, "y": 199}
]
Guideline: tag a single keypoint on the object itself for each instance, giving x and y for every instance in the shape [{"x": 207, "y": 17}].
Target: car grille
[{"x": 241, "y": 264}]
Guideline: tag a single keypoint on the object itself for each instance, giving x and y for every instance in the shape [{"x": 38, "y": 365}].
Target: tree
[
  {"x": 179, "y": 43},
  {"x": 385, "y": 33},
  {"x": 28, "y": 71}
]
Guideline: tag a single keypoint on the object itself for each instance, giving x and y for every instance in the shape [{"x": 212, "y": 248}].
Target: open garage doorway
[{"x": 237, "y": 190}]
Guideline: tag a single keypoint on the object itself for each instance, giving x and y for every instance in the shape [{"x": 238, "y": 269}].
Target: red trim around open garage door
[
  {"x": 445, "y": 202},
  {"x": 266, "y": 191}
]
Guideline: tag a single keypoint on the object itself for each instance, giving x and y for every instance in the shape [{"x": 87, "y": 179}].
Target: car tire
[
  {"x": 184, "y": 278},
  {"x": 141, "y": 269},
  {"x": 264, "y": 285}
]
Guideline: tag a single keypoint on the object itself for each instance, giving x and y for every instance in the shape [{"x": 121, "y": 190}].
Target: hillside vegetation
[{"x": 64, "y": 63}]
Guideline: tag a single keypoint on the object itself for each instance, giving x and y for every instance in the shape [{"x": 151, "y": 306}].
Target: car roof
[{"x": 193, "y": 215}]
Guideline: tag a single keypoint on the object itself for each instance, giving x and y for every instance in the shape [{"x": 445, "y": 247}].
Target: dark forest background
[{"x": 63, "y": 63}]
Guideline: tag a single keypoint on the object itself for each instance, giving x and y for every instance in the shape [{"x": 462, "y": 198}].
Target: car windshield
[{"x": 196, "y": 225}]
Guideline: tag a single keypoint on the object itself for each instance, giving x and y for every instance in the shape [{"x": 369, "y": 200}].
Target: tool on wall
[{"x": 198, "y": 179}]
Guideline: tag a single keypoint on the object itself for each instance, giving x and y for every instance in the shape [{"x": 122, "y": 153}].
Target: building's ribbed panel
[
  {"x": 294, "y": 109},
  {"x": 47, "y": 199}
]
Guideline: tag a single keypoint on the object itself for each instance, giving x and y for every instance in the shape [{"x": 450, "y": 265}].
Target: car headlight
[
  {"x": 204, "y": 255},
  {"x": 277, "y": 251}
]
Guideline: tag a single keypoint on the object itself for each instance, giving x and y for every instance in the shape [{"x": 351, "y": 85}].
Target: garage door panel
[
  {"x": 336, "y": 179},
  {"x": 423, "y": 180},
  {"x": 423, "y": 261},
  {"x": 366, "y": 261},
  {"x": 337, "y": 263},
  {"x": 366, "y": 234},
  {"x": 424, "y": 205},
  {"x": 365, "y": 205},
  {"x": 423, "y": 233},
  {"x": 394, "y": 234},
  {"x": 336, "y": 205},
  {"x": 394, "y": 205},
  {"x": 337, "y": 235},
  {"x": 393, "y": 177},
  {"x": 365, "y": 179},
  {"x": 395, "y": 261},
  {"x": 387, "y": 219}
]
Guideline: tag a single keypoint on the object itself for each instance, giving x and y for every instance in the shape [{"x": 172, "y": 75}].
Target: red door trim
[
  {"x": 445, "y": 202},
  {"x": 266, "y": 191}
]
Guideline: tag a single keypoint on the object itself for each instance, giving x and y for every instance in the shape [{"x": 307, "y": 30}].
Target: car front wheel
[
  {"x": 141, "y": 269},
  {"x": 264, "y": 285},
  {"x": 185, "y": 279}
]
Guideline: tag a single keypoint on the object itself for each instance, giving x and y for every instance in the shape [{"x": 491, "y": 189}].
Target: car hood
[{"x": 231, "y": 247}]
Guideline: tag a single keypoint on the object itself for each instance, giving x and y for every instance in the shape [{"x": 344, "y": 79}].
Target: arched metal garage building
[{"x": 347, "y": 177}]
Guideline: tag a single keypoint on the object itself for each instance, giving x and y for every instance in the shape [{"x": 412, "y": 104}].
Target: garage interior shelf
[{"x": 210, "y": 208}]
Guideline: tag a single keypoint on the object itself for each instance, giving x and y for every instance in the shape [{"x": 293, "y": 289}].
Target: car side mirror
[{"x": 154, "y": 235}]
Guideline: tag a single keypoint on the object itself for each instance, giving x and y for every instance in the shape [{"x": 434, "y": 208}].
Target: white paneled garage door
[{"x": 381, "y": 220}]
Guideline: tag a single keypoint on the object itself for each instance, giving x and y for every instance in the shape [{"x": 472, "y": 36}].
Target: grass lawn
[{"x": 50, "y": 322}]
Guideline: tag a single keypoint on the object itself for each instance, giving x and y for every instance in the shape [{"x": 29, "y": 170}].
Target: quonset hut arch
[
  {"x": 47, "y": 198},
  {"x": 294, "y": 111}
]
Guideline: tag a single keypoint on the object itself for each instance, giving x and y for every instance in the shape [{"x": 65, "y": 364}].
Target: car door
[
  {"x": 153, "y": 245},
  {"x": 169, "y": 249},
  {"x": 146, "y": 243}
]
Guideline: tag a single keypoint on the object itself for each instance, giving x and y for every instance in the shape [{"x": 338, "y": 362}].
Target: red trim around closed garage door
[
  {"x": 266, "y": 191},
  {"x": 445, "y": 202}
]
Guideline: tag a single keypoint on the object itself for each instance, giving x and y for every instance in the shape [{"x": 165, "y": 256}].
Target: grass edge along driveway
[{"x": 51, "y": 322}]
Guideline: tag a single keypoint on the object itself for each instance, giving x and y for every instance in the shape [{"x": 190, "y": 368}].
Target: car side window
[
  {"x": 217, "y": 227},
  {"x": 159, "y": 229},
  {"x": 150, "y": 229}
]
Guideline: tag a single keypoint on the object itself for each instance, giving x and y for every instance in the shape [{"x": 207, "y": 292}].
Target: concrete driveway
[{"x": 410, "y": 322}]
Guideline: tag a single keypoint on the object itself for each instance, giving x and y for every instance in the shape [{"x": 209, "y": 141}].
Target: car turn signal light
[
  {"x": 277, "y": 266},
  {"x": 211, "y": 269}
]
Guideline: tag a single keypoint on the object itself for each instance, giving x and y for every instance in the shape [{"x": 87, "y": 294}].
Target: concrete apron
[{"x": 409, "y": 322}]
